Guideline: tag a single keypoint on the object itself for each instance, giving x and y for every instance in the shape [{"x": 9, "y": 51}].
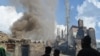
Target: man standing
[
  {"x": 87, "y": 50},
  {"x": 47, "y": 51}
]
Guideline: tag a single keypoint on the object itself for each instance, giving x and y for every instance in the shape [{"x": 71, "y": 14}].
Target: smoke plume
[{"x": 38, "y": 21}]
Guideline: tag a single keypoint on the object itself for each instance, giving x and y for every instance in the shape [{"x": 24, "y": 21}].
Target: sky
[{"x": 87, "y": 10}]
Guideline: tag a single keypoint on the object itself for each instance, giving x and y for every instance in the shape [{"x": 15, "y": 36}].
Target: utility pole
[
  {"x": 67, "y": 21},
  {"x": 67, "y": 4}
]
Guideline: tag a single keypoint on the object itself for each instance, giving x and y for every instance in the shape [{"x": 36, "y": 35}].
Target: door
[{"x": 25, "y": 50}]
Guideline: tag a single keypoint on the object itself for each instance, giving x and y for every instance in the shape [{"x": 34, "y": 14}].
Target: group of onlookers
[
  {"x": 48, "y": 51},
  {"x": 86, "y": 50}
]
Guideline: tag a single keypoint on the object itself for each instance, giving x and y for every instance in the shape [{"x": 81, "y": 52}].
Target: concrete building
[
  {"x": 98, "y": 45},
  {"x": 80, "y": 23},
  {"x": 91, "y": 33},
  {"x": 73, "y": 31},
  {"x": 21, "y": 47},
  {"x": 80, "y": 32},
  {"x": 3, "y": 36},
  {"x": 61, "y": 31},
  {"x": 75, "y": 38},
  {"x": 76, "y": 33}
]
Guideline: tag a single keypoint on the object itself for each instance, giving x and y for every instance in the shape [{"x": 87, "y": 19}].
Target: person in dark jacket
[
  {"x": 47, "y": 51},
  {"x": 87, "y": 50},
  {"x": 56, "y": 52}
]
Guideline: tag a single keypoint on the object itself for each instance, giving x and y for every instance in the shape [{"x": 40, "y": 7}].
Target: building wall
[
  {"x": 98, "y": 46},
  {"x": 91, "y": 33},
  {"x": 80, "y": 23}
]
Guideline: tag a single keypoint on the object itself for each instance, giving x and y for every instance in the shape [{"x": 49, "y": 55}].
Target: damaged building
[
  {"x": 21, "y": 47},
  {"x": 76, "y": 33}
]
